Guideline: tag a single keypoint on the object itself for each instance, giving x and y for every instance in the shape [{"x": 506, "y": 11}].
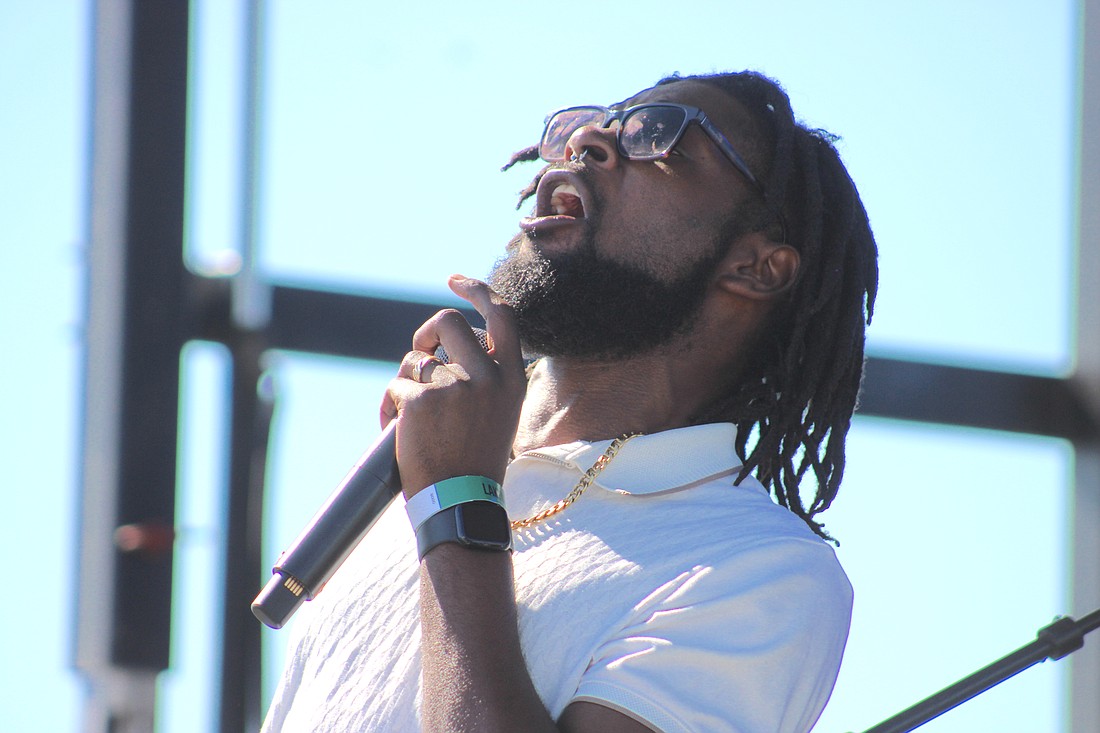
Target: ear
[{"x": 758, "y": 268}]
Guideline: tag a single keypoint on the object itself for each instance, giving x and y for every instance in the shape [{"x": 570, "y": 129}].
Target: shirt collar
[{"x": 648, "y": 464}]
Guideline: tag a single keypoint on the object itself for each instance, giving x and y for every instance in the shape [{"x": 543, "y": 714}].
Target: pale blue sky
[{"x": 957, "y": 124}]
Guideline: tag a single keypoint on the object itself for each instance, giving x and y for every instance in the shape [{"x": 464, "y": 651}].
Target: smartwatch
[{"x": 478, "y": 525}]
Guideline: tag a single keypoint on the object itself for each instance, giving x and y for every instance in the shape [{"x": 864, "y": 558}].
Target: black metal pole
[
  {"x": 1054, "y": 642},
  {"x": 240, "y": 707},
  {"x": 134, "y": 327}
]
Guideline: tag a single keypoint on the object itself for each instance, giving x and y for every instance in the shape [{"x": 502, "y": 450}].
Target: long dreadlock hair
[{"x": 794, "y": 407}]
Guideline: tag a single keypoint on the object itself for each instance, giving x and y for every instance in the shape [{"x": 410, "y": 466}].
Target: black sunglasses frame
[{"x": 691, "y": 114}]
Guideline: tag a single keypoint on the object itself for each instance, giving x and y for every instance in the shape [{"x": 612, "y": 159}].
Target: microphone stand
[{"x": 1055, "y": 641}]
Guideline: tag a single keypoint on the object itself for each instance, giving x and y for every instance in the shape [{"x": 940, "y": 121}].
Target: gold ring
[{"x": 418, "y": 368}]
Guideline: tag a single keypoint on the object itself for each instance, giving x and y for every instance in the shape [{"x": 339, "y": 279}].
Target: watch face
[{"x": 483, "y": 524}]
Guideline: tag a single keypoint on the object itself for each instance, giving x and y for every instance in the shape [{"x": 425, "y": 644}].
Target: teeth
[{"x": 565, "y": 200}]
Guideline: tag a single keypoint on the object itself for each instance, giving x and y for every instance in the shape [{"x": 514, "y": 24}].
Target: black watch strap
[{"x": 478, "y": 525}]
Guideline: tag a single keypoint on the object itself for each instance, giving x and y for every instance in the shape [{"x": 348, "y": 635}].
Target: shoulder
[{"x": 748, "y": 639}]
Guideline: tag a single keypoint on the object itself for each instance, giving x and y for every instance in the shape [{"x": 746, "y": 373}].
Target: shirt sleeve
[{"x": 748, "y": 645}]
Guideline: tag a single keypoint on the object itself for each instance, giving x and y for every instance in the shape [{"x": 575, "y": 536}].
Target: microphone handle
[
  {"x": 335, "y": 530},
  {"x": 338, "y": 527}
]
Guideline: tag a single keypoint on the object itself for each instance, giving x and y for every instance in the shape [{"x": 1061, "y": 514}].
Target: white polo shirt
[{"x": 664, "y": 592}]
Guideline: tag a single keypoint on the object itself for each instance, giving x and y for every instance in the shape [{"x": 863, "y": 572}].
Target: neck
[
  {"x": 665, "y": 388},
  {"x": 570, "y": 400}
]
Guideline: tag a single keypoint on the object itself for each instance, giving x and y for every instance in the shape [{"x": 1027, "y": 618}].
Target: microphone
[{"x": 337, "y": 528}]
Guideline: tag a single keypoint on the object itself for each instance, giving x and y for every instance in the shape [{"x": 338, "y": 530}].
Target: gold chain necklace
[{"x": 586, "y": 480}]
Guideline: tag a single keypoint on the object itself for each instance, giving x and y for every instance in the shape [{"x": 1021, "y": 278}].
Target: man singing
[{"x": 621, "y": 536}]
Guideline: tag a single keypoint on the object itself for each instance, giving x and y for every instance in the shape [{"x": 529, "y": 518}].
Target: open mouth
[
  {"x": 565, "y": 200},
  {"x": 561, "y": 200}
]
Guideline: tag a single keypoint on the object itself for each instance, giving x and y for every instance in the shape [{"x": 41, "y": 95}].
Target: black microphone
[{"x": 337, "y": 528}]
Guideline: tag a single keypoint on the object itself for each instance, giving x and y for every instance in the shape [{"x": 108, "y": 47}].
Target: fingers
[
  {"x": 387, "y": 411},
  {"x": 418, "y": 373},
  {"x": 400, "y": 392},
  {"x": 422, "y": 370},
  {"x": 419, "y": 368},
  {"x": 499, "y": 319},
  {"x": 467, "y": 357},
  {"x": 459, "y": 417},
  {"x": 449, "y": 329}
]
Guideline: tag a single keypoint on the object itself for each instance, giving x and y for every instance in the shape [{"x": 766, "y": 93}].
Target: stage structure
[{"x": 144, "y": 306}]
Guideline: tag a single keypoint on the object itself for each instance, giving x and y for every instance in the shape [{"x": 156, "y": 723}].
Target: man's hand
[{"x": 461, "y": 418}]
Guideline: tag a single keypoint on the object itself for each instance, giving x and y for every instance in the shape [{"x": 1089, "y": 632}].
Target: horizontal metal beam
[
  {"x": 321, "y": 321},
  {"x": 1019, "y": 403},
  {"x": 371, "y": 327}
]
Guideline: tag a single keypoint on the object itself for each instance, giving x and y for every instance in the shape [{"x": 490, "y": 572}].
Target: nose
[{"x": 596, "y": 143}]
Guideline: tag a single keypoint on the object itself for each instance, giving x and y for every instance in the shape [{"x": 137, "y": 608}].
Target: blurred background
[{"x": 353, "y": 148}]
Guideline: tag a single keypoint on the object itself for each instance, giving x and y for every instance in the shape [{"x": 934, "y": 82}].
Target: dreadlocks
[{"x": 795, "y": 405}]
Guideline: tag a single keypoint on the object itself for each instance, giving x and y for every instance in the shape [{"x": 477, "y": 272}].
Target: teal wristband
[{"x": 448, "y": 493}]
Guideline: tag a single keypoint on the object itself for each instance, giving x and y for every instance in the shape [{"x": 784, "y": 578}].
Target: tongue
[{"x": 571, "y": 205}]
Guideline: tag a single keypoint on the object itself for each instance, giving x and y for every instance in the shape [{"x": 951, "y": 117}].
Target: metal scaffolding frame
[{"x": 144, "y": 306}]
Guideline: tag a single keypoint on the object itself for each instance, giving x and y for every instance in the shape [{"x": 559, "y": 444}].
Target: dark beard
[{"x": 583, "y": 305}]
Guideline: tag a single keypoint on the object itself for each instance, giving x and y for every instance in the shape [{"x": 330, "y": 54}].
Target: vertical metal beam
[
  {"x": 1085, "y": 663},
  {"x": 240, "y": 703},
  {"x": 133, "y": 336}
]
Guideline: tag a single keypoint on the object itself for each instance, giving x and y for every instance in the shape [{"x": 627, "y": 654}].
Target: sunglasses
[{"x": 646, "y": 132}]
